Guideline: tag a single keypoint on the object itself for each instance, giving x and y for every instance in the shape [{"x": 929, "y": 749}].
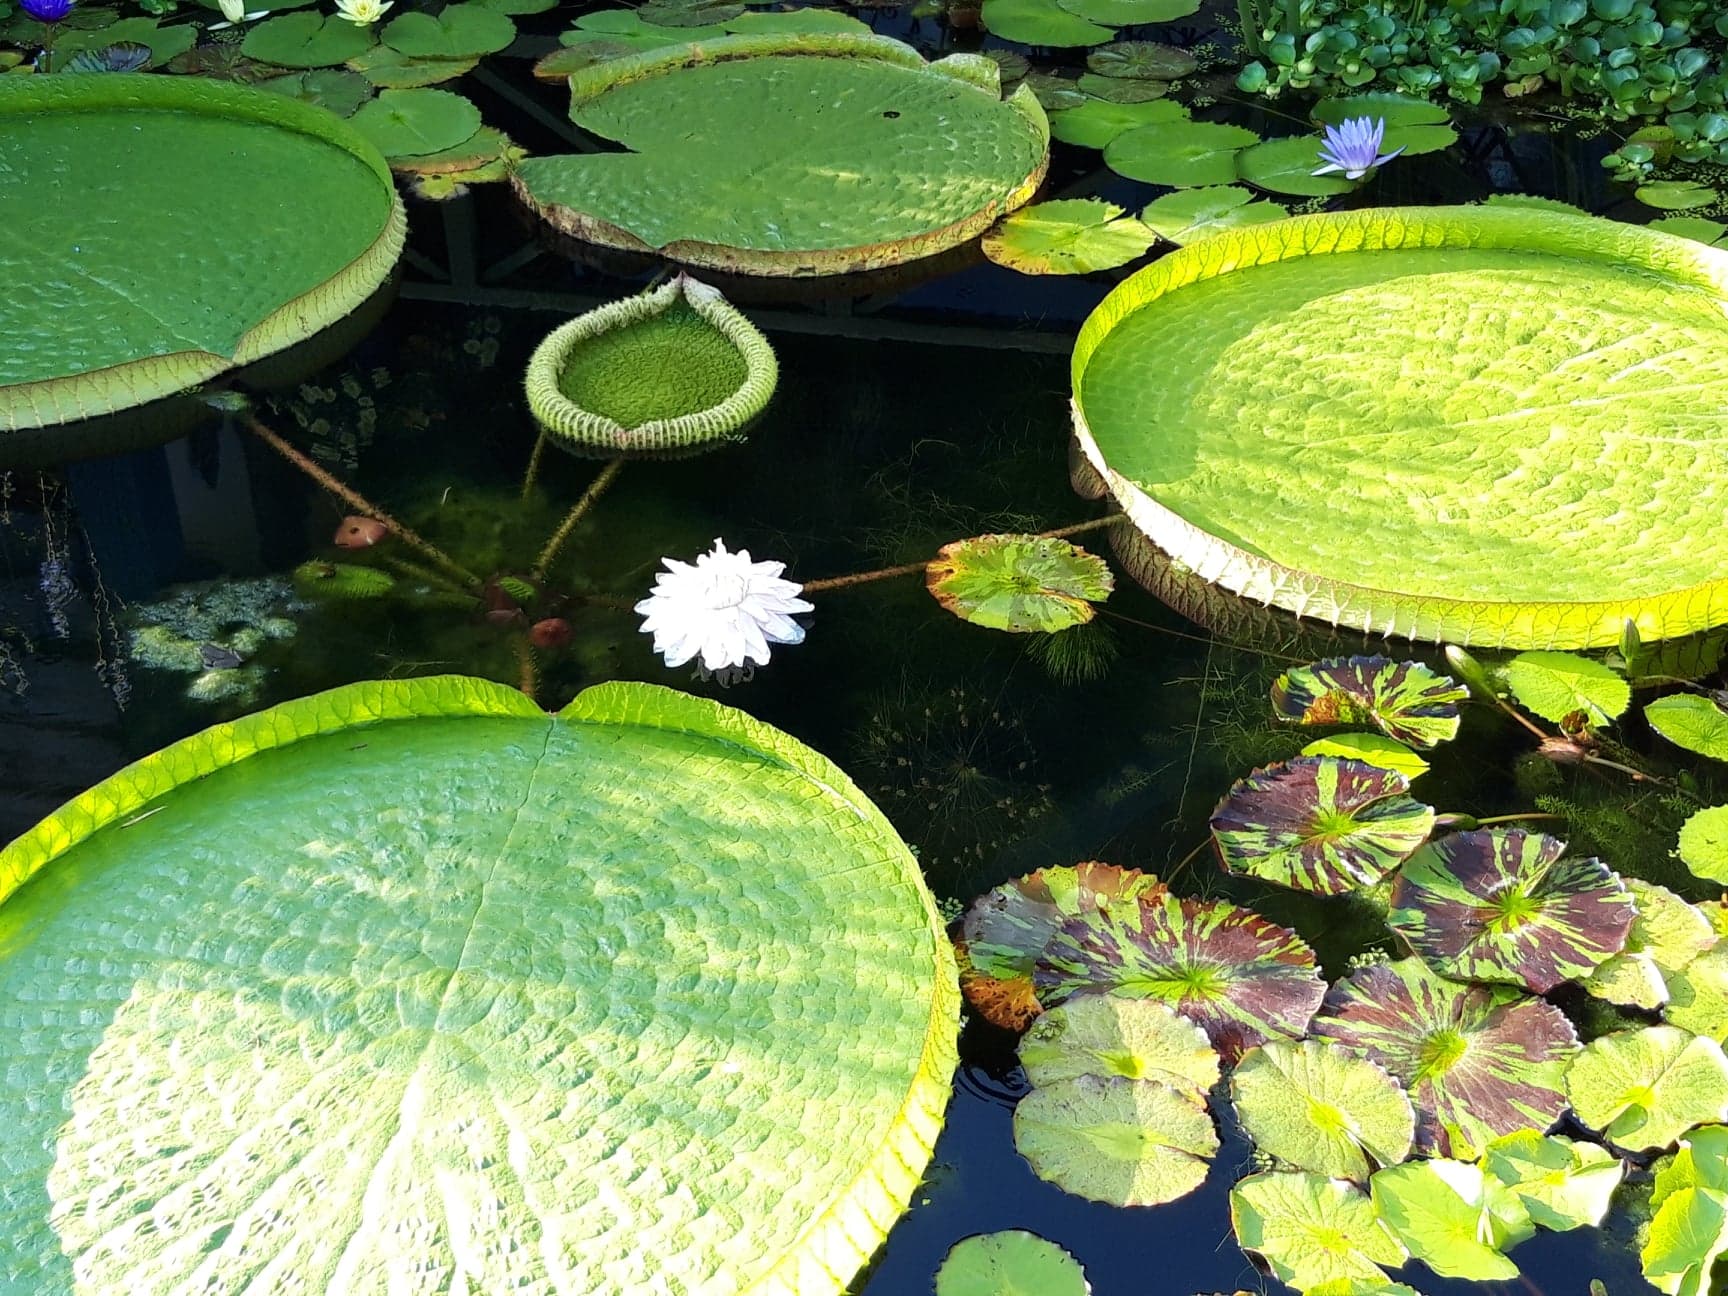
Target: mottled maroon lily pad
[
  {"x": 1404, "y": 700},
  {"x": 1479, "y": 1062},
  {"x": 1320, "y": 823},
  {"x": 1506, "y": 905},
  {"x": 1239, "y": 977}
]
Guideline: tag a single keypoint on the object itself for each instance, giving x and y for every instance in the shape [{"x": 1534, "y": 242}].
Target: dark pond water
[{"x": 910, "y": 413}]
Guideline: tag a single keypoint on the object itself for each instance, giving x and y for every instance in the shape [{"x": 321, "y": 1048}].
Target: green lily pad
[
  {"x": 1118, "y": 1141},
  {"x": 1181, "y": 153},
  {"x": 1311, "y": 468},
  {"x": 1699, "y": 724},
  {"x": 1404, "y": 700},
  {"x": 1676, "y": 195},
  {"x": 1697, "y": 228},
  {"x": 340, "y": 92},
  {"x": 1370, "y": 749},
  {"x": 1698, "y": 995},
  {"x": 1478, "y": 1063},
  {"x": 1319, "y": 823},
  {"x": 1095, "y": 122},
  {"x": 622, "y": 26},
  {"x": 409, "y": 123},
  {"x": 1140, "y": 60},
  {"x": 1701, "y": 1161},
  {"x": 1121, "y": 89},
  {"x": 1019, "y": 583},
  {"x": 296, "y": 218},
  {"x": 678, "y": 16},
  {"x": 790, "y": 154},
  {"x": 1688, "y": 1235},
  {"x": 456, "y": 31},
  {"x": 1413, "y": 141},
  {"x": 1704, "y": 843},
  {"x": 1010, "y": 64},
  {"x": 1313, "y": 1231},
  {"x": 795, "y": 20},
  {"x": 1055, "y": 93},
  {"x": 333, "y": 580},
  {"x": 409, "y": 955},
  {"x": 1563, "y": 1183},
  {"x": 1068, "y": 236},
  {"x": 1320, "y": 1108},
  {"x": 1392, "y": 108},
  {"x": 1666, "y": 936},
  {"x": 164, "y": 43},
  {"x": 390, "y": 69},
  {"x": 1010, "y": 1263},
  {"x": 1040, "y": 22},
  {"x": 1286, "y": 166},
  {"x": 1190, "y": 214},
  {"x": 1241, "y": 979},
  {"x": 1453, "y": 1216},
  {"x": 306, "y": 40},
  {"x": 1555, "y": 685},
  {"x": 1644, "y": 1088},
  {"x": 484, "y": 146},
  {"x": 1507, "y": 906},
  {"x": 1114, "y": 1035},
  {"x": 1131, "y": 13}
]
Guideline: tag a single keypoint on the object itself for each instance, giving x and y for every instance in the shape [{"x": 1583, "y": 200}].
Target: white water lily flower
[
  {"x": 235, "y": 12},
  {"x": 725, "y": 609},
  {"x": 362, "y": 13}
]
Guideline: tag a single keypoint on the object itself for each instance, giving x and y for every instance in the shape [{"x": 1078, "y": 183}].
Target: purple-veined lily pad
[
  {"x": 1006, "y": 929},
  {"x": 1507, "y": 906},
  {"x": 1320, "y": 823},
  {"x": 1239, "y": 977},
  {"x": 1478, "y": 1062},
  {"x": 1404, "y": 700}
]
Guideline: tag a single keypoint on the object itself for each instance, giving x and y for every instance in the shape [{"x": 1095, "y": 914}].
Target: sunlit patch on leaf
[
  {"x": 1454, "y": 1217},
  {"x": 1109, "y": 1139},
  {"x": 1010, "y": 1263},
  {"x": 1703, "y": 843},
  {"x": 1190, "y": 214},
  {"x": 1321, "y": 1108},
  {"x": 1698, "y": 995},
  {"x": 1564, "y": 1183},
  {"x": 1643, "y": 1089},
  {"x": 1505, "y": 905},
  {"x": 1556, "y": 685},
  {"x": 1068, "y": 236},
  {"x": 1312, "y": 1230},
  {"x": 1666, "y": 936},
  {"x": 1114, "y": 1035},
  {"x": 1478, "y": 1063},
  {"x": 1373, "y": 749},
  {"x": 1320, "y": 823},
  {"x": 1404, "y": 700},
  {"x": 1699, "y": 724},
  {"x": 1688, "y": 1234},
  {"x": 1020, "y": 583}
]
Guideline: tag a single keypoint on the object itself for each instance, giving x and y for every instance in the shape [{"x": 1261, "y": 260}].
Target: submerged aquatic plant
[
  {"x": 1353, "y": 147},
  {"x": 724, "y": 610}
]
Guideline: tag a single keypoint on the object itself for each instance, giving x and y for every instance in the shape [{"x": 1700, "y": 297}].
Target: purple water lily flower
[
  {"x": 1353, "y": 147},
  {"x": 48, "y": 11}
]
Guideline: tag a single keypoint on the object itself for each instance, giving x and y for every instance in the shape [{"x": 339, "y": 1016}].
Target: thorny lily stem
[
  {"x": 596, "y": 489},
  {"x": 912, "y": 569},
  {"x": 533, "y": 473},
  {"x": 360, "y": 504}
]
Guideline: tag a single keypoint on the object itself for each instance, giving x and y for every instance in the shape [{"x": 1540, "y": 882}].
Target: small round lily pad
[
  {"x": 1118, "y": 1035},
  {"x": 1676, "y": 195},
  {"x": 1319, "y": 1108},
  {"x": 1142, "y": 60},
  {"x": 456, "y": 31},
  {"x": 1555, "y": 685},
  {"x": 1704, "y": 843},
  {"x": 1010, "y": 1263},
  {"x": 1312, "y": 1230},
  {"x": 1121, "y": 89},
  {"x": 1190, "y": 214},
  {"x": 408, "y": 123},
  {"x": 1040, "y": 22},
  {"x": 1019, "y": 583},
  {"x": 1131, "y": 13},
  {"x": 1180, "y": 153},
  {"x": 1392, "y": 108},
  {"x": 1286, "y": 166},
  {"x": 1093, "y": 123},
  {"x": 1113, "y": 1140},
  {"x": 1644, "y": 1088},
  {"x": 1699, "y": 724}
]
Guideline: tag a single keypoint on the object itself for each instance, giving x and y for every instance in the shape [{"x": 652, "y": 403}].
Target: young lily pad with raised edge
[
  {"x": 1180, "y": 153},
  {"x": 672, "y": 369},
  {"x": 1040, "y": 22},
  {"x": 1312, "y": 1230},
  {"x": 1020, "y": 583},
  {"x": 1006, "y": 930},
  {"x": 1563, "y": 1183},
  {"x": 1321, "y": 1108},
  {"x": 1287, "y": 512},
  {"x": 1478, "y": 1062},
  {"x": 297, "y": 221},
  {"x": 409, "y": 123},
  {"x": 1067, "y": 236},
  {"x": 1555, "y": 685},
  {"x": 1141, "y": 60},
  {"x": 1704, "y": 843},
  {"x": 1115, "y": 1035},
  {"x": 1320, "y": 823},
  {"x": 1504, "y": 905},
  {"x": 1643, "y": 1089},
  {"x": 791, "y": 154},
  {"x": 1699, "y": 724},
  {"x": 1113, "y": 1140},
  {"x": 1190, "y": 214},
  {"x": 1010, "y": 1263},
  {"x": 1240, "y": 978},
  {"x": 388, "y": 976},
  {"x": 1095, "y": 122},
  {"x": 1286, "y": 166},
  {"x": 1404, "y": 700},
  {"x": 1370, "y": 749},
  {"x": 1667, "y": 936},
  {"x": 1453, "y": 1216}
]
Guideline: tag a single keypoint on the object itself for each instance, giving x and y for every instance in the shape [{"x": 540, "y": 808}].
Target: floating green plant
[
  {"x": 1455, "y": 1216},
  {"x": 1317, "y": 1107},
  {"x": 1020, "y": 583},
  {"x": 1068, "y": 236},
  {"x": 1117, "y": 1035},
  {"x": 1404, "y": 700},
  {"x": 1563, "y": 1183},
  {"x": 1312, "y": 1230},
  {"x": 1010, "y": 1263},
  {"x": 1644, "y": 1088}
]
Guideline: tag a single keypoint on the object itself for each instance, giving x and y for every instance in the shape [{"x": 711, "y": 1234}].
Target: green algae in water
[{"x": 664, "y": 367}]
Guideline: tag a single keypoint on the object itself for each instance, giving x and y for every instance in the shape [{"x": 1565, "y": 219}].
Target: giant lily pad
[
  {"x": 297, "y": 224},
  {"x": 1313, "y": 1230},
  {"x": 1699, "y": 724},
  {"x": 1320, "y": 1108},
  {"x": 1241, "y": 979},
  {"x": 1022, "y": 583},
  {"x": 1478, "y": 1063},
  {"x": 1010, "y": 1263},
  {"x": 1068, "y": 236},
  {"x": 1523, "y": 487},
  {"x": 1505, "y": 905},
  {"x": 1404, "y": 700},
  {"x": 1564, "y": 1183},
  {"x": 1114, "y": 1035},
  {"x": 1453, "y": 1216},
  {"x": 790, "y": 154},
  {"x": 379, "y": 983},
  {"x": 1644, "y": 1088},
  {"x": 1320, "y": 823},
  {"x": 1109, "y": 1139}
]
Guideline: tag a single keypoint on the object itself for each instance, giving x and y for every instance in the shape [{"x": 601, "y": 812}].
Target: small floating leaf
[
  {"x": 1114, "y": 1035},
  {"x": 1142, "y": 60},
  {"x": 1313, "y": 1231},
  {"x": 407, "y": 123},
  {"x": 1095, "y": 122},
  {"x": 1019, "y": 583},
  {"x": 1370, "y": 749},
  {"x": 1676, "y": 195},
  {"x": 456, "y": 31},
  {"x": 1699, "y": 724},
  {"x": 1698, "y": 996},
  {"x": 1562, "y": 1182},
  {"x": 1320, "y": 823},
  {"x": 1644, "y": 1088},
  {"x": 1404, "y": 700},
  {"x": 1321, "y": 1108},
  {"x": 1010, "y": 1263},
  {"x": 1286, "y": 166},
  {"x": 1453, "y": 1217},
  {"x": 1704, "y": 843},
  {"x": 1666, "y": 936},
  {"x": 1040, "y": 22},
  {"x": 340, "y": 91},
  {"x": 1179, "y": 154},
  {"x": 1190, "y": 214},
  {"x": 1503, "y": 905},
  {"x": 1055, "y": 93},
  {"x": 1554, "y": 685},
  {"x": 1109, "y": 1139},
  {"x": 306, "y": 40},
  {"x": 1688, "y": 1234},
  {"x": 1697, "y": 228},
  {"x": 1068, "y": 236},
  {"x": 1123, "y": 90},
  {"x": 1131, "y": 13},
  {"x": 1394, "y": 109}
]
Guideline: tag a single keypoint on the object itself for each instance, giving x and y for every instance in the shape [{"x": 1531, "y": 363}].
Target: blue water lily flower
[
  {"x": 1353, "y": 147},
  {"x": 48, "y": 11}
]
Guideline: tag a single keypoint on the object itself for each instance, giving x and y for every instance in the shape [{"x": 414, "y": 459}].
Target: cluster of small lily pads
[{"x": 1407, "y": 1110}]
